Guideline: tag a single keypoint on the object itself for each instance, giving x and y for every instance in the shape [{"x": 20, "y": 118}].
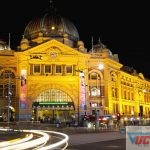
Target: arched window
[
  {"x": 6, "y": 74},
  {"x": 95, "y": 86},
  {"x": 94, "y": 76},
  {"x": 53, "y": 95},
  {"x": 113, "y": 76}
]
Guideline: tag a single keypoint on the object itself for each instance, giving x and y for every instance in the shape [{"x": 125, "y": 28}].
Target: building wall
[{"x": 119, "y": 91}]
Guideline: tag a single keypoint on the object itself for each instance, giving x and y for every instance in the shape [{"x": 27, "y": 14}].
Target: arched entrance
[{"x": 53, "y": 106}]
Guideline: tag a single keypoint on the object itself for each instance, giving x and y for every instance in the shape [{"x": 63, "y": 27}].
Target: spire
[
  {"x": 101, "y": 44},
  {"x": 9, "y": 42},
  {"x": 99, "y": 41},
  {"x": 52, "y": 6},
  {"x": 92, "y": 44}
]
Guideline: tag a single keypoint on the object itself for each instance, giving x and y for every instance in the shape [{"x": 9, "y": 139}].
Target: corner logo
[{"x": 139, "y": 138}]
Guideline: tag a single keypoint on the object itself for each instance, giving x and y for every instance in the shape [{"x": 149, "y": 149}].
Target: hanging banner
[
  {"x": 82, "y": 91},
  {"x": 23, "y": 90}
]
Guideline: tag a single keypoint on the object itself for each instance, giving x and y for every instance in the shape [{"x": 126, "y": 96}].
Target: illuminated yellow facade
[{"x": 53, "y": 75}]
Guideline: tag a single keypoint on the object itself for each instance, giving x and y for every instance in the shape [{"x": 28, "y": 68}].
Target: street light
[
  {"x": 141, "y": 93},
  {"x": 19, "y": 78},
  {"x": 78, "y": 107},
  {"x": 9, "y": 94},
  {"x": 9, "y": 102}
]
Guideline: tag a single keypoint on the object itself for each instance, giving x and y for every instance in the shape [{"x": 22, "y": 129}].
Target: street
[{"x": 119, "y": 144}]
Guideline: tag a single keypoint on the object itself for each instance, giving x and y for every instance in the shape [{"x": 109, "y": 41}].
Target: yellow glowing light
[
  {"x": 101, "y": 66},
  {"x": 53, "y": 27},
  {"x": 113, "y": 116},
  {"x": 125, "y": 118},
  {"x": 23, "y": 72}
]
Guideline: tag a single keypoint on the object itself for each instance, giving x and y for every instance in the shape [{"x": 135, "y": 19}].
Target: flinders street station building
[{"x": 52, "y": 75}]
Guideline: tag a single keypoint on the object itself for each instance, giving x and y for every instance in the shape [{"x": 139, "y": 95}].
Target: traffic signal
[
  {"x": 85, "y": 117},
  {"x": 118, "y": 116}
]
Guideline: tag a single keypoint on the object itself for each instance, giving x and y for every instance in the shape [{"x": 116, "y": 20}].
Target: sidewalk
[{"x": 77, "y": 139}]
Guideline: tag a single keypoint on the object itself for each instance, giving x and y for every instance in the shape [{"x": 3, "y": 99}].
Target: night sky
[{"x": 123, "y": 26}]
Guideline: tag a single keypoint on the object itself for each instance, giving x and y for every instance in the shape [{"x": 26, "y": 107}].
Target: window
[
  {"x": 68, "y": 69},
  {"x": 95, "y": 91},
  {"x": 47, "y": 68},
  {"x": 58, "y": 69},
  {"x": 54, "y": 95},
  {"x": 95, "y": 84},
  {"x": 7, "y": 74},
  {"x": 132, "y": 96},
  {"x": 94, "y": 76},
  {"x": 13, "y": 90},
  {"x": 36, "y": 68},
  {"x": 113, "y": 92},
  {"x": 1, "y": 90}
]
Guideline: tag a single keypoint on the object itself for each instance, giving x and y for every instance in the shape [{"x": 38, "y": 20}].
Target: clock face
[{"x": 52, "y": 54}]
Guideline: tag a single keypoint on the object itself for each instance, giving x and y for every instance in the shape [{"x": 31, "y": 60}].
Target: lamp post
[
  {"x": 9, "y": 102},
  {"x": 141, "y": 100},
  {"x": 9, "y": 94},
  {"x": 78, "y": 104},
  {"x": 19, "y": 78}
]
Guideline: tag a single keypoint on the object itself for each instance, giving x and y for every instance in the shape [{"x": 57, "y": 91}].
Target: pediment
[{"x": 51, "y": 48}]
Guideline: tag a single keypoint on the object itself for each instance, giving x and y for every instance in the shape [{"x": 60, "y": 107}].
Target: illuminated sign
[
  {"x": 23, "y": 90},
  {"x": 52, "y": 103},
  {"x": 65, "y": 104}
]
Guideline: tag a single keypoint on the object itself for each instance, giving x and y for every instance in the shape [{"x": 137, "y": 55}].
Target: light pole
[
  {"x": 9, "y": 93},
  {"x": 9, "y": 102},
  {"x": 19, "y": 78}
]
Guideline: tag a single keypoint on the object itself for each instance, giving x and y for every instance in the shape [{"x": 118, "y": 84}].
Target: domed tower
[
  {"x": 51, "y": 26},
  {"x": 100, "y": 50}
]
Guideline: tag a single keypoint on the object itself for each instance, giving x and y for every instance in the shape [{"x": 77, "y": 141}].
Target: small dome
[
  {"x": 24, "y": 40},
  {"x": 99, "y": 46},
  {"x": 51, "y": 25}
]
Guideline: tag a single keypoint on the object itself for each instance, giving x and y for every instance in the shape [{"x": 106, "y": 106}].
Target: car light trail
[
  {"x": 33, "y": 143},
  {"x": 16, "y": 141},
  {"x": 63, "y": 141},
  {"x": 38, "y": 143}
]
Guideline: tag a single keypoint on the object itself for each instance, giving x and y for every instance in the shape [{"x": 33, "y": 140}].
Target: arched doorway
[{"x": 53, "y": 106}]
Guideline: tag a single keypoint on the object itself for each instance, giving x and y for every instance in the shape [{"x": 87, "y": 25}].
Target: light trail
[
  {"x": 16, "y": 141},
  {"x": 25, "y": 145},
  {"x": 57, "y": 144},
  {"x": 27, "y": 142}
]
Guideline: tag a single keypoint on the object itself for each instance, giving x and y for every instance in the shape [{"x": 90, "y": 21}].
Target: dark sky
[{"x": 123, "y": 26}]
